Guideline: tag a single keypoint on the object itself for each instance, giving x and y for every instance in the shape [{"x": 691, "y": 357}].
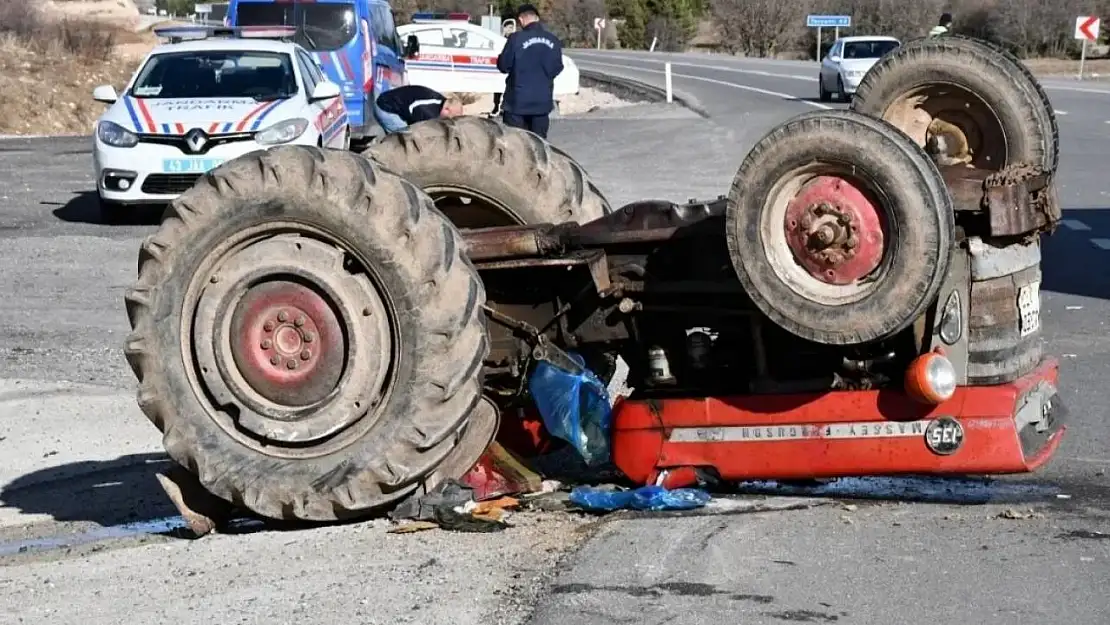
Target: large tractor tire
[
  {"x": 308, "y": 335},
  {"x": 840, "y": 228},
  {"x": 482, "y": 173},
  {"x": 991, "y": 97}
]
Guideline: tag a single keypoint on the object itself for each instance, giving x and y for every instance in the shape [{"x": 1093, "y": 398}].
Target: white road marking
[
  {"x": 1060, "y": 112},
  {"x": 777, "y": 94},
  {"x": 1102, "y": 243},
  {"x": 1074, "y": 224}
]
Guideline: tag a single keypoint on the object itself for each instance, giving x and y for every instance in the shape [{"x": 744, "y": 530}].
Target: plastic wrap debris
[
  {"x": 451, "y": 506},
  {"x": 643, "y": 498},
  {"x": 575, "y": 407}
]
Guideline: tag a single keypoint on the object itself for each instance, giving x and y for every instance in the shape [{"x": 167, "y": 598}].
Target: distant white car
[
  {"x": 205, "y": 98},
  {"x": 457, "y": 56},
  {"x": 847, "y": 61}
]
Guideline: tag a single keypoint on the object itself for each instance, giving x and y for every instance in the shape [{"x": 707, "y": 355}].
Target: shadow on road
[
  {"x": 84, "y": 207},
  {"x": 107, "y": 493},
  {"x": 1073, "y": 258}
]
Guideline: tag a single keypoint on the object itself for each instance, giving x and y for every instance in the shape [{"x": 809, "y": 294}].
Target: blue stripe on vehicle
[
  {"x": 134, "y": 116},
  {"x": 266, "y": 111},
  {"x": 227, "y": 126},
  {"x": 166, "y": 129},
  {"x": 335, "y": 127}
]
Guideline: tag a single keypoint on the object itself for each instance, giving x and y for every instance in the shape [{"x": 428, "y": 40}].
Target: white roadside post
[
  {"x": 667, "y": 74},
  {"x": 1086, "y": 29},
  {"x": 599, "y": 25}
]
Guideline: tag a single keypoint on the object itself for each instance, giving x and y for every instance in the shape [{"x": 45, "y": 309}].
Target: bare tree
[
  {"x": 758, "y": 27},
  {"x": 573, "y": 20}
]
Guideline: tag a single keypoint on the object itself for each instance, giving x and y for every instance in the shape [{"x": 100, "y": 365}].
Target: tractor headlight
[
  {"x": 282, "y": 132},
  {"x": 111, "y": 133}
]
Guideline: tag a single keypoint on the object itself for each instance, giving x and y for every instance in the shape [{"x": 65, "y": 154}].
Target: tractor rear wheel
[
  {"x": 481, "y": 173},
  {"x": 308, "y": 335},
  {"x": 992, "y": 98},
  {"x": 840, "y": 228}
]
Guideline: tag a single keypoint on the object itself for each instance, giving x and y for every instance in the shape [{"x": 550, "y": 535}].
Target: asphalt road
[{"x": 76, "y": 456}]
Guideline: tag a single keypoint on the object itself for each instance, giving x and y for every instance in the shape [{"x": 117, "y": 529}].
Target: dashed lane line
[{"x": 1074, "y": 224}]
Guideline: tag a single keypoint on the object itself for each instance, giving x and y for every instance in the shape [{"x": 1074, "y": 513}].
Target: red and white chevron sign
[{"x": 1086, "y": 27}]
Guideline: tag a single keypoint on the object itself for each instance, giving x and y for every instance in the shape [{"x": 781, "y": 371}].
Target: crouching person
[{"x": 416, "y": 103}]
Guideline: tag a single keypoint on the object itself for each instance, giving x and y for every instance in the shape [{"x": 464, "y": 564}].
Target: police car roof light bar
[
  {"x": 177, "y": 34},
  {"x": 425, "y": 17}
]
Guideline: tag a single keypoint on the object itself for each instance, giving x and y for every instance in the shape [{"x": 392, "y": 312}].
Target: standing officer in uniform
[{"x": 532, "y": 58}]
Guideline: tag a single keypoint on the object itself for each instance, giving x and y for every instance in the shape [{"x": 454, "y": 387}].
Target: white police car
[{"x": 207, "y": 96}]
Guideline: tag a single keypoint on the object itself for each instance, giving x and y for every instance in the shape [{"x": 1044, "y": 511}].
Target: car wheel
[
  {"x": 822, "y": 94},
  {"x": 840, "y": 95}
]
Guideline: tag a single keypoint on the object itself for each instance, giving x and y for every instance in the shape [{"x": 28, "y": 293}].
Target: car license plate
[
  {"x": 1029, "y": 308},
  {"x": 189, "y": 165}
]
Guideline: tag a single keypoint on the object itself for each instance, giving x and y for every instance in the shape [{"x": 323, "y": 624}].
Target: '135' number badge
[{"x": 944, "y": 436}]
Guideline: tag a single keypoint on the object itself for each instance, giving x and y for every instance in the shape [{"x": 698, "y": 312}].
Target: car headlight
[
  {"x": 282, "y": 132},
  {"x": 115, "y": 135}
]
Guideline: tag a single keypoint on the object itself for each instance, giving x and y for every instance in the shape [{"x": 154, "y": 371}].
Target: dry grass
[
  {"x": 1064, "y": 67},
  {"x": 49, "y": 67},
  {"x": 51, "y": 93}
]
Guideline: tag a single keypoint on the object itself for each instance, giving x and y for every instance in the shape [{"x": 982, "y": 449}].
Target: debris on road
[
  {"x": 1012, "y": 513},
  {"x": 202, "y": 511},
  {"x": 653, "y": 498}
]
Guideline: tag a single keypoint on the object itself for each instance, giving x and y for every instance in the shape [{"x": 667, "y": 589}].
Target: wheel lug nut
[
  {"x": 267, "y": 344},
  {"x": 268, "y": 326},
  {"x": 308, "y": 337},
  {"x": 305, "y": 354},
  {"x": 291, "y": 364},
  {"x": 299, "y": 321},
  {"x": 283, "y": 316},
  {"x": 275, "y": 360}
]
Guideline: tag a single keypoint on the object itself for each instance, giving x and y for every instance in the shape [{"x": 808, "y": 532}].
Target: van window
[
  {"x": 385, "y": 31},
  {"x": 321, "y": 26}
]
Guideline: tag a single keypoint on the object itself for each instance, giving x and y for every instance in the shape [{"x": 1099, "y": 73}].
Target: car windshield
[
  {"x": 217, "y": 74},
  {"x": 868, "y": 49},
  {"x": 319, "y": 26}
]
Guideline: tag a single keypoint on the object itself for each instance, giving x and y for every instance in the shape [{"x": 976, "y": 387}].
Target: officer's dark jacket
[
  {"x": 532, "y": 57},
  {"x": 412, "y": 103}
]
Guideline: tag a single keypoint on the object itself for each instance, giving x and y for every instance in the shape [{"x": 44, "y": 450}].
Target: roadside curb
[{"x": 642, "y": 89}]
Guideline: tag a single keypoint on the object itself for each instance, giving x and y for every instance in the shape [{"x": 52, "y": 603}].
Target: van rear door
[{"x": 329, "y": 30}]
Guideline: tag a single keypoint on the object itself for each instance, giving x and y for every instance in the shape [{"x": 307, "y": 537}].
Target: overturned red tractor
[{"x": 320, "y": 335}]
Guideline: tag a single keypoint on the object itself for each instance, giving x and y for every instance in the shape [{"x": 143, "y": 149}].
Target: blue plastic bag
[
  {"x": 574, "y": 407},
  {"x": 643, "y": 498}
]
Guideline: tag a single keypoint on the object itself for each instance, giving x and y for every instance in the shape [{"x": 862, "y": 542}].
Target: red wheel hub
[
  {"x": 288, "y": 343},
  {"x": 835, "y": 230}
]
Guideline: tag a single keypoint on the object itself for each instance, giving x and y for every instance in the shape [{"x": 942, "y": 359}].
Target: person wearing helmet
[{"x": 943, "y": 27}]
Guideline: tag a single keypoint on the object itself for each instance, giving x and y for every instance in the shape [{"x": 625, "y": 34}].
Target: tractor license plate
[
  {"x": 1029, "y": 308},
  {"x": 189, "y": 165}
]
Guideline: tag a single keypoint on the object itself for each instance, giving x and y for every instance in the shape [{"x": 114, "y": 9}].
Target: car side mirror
[
  {"x": 106, "y": 94},
  {"x": 325, "y": 91},
  {"x": 412, "y": 46},
  {"x": 835, "y": 58}
]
